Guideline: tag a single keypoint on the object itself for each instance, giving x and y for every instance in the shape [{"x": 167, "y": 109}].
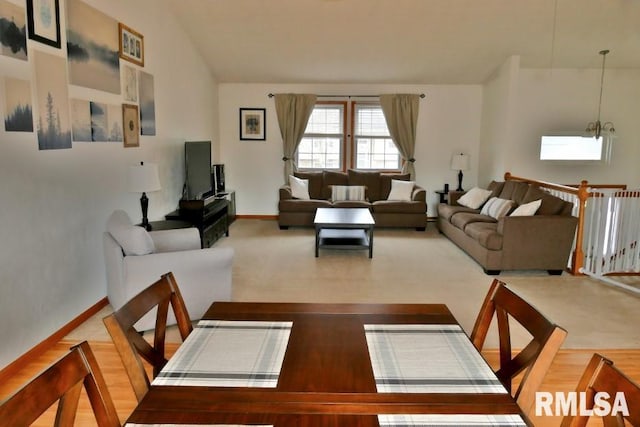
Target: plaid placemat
[
  {"x": 229, "y": 354},
  {"x": 457, "y": 420},
  {"x": 427, "y": 359}
]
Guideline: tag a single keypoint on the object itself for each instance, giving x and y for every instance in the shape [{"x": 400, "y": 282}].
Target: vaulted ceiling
[{"x": 405, "y": 41}]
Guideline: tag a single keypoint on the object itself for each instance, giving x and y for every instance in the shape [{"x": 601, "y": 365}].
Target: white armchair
[{"x": 135, "y": 258}]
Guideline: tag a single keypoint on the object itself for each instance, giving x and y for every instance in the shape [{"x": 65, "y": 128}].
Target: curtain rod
[{"x": 422, "y": 95}]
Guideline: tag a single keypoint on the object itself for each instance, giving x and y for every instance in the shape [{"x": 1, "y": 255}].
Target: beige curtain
[
  {"x": 401, "y": 113},
  {"x": 293, "y": 112}
]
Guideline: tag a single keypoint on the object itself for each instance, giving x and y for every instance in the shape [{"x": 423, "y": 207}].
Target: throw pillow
[
  {"x": 496, "y": 207},
  {"x": 401, "y": 190},
  {"x": 527, "y": 209},
  {"x": 348, "y": 192},
  {"x": 134, "y": 240},
  {"x": 474, "y": 198},
  {"x": 299, "y": 187}
]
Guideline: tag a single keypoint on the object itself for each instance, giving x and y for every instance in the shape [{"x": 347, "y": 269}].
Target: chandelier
[{"x": 596, "y": 128}]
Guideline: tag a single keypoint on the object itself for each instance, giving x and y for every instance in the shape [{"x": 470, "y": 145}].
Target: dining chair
[
  {"x": 535, "y": 358},
  {"x": 601, "y": 376},
  {"x": 131, "y": 345},
  {"x": 62, "y": 382}
]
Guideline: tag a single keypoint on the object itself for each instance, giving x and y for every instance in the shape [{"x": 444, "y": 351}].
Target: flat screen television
[{"x": 197, "y": 158}]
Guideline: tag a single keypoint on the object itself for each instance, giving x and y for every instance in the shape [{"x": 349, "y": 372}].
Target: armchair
[{"x": 135, "y": 258}]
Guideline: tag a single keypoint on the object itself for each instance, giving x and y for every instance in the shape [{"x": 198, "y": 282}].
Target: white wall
[
  {"x": 54, "y": 204},
  {"x": 449, "y": 121}
]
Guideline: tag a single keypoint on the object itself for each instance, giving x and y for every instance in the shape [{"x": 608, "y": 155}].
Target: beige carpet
[{"x": 412, "y": 267}]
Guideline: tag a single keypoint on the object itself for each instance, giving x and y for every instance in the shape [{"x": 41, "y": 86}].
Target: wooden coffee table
[{"x": 344, "y": 228}]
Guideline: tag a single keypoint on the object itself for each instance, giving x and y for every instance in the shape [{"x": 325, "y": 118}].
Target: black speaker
[{"x": 217, "y": 177}]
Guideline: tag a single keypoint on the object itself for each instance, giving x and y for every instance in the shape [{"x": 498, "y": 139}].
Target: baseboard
[
  {"x": 28, "y": 357},
  {"x": 273, "y": 217}
]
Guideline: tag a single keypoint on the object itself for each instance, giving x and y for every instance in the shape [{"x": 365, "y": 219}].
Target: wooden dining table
[{"x": 301, "y": 364}]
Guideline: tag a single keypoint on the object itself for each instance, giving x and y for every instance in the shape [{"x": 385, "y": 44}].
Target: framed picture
[
  {"x": 131, "y": 45},
  {"x": 43, "y": 18},
  {"x": 253, "y": 126},
  {"x": 131, "y": 125}
]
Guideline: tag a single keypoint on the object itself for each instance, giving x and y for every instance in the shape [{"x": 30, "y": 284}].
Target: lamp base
[
  {"x": 459, "y": 181},
  {"x": 144, "y": 204}
]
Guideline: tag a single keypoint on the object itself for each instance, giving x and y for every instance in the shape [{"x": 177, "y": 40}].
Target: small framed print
[
  {"x": 131, "y": 45},
  {"x": 43, "y": 17},
  {"x": 131, "y": 125},
  {"x": 253, "y": 126}
]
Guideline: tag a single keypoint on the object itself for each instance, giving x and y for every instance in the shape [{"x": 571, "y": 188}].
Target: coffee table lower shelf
[{"x": 340, "y": 238}]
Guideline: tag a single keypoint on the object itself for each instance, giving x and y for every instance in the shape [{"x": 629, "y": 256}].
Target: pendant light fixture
[{"x": 596, "y": 128}]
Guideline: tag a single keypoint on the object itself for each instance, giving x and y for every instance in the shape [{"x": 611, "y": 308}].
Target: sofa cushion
[
  {"x": 330, "y": 178},
  {"x": 462, "y": 219},
  {"x": 297, "y": 205},
  {"x": 527, "y": 209},
  {"x": 446, "y": 211},
  {"x": 474, "y": 198},
  {"x": 496, "y": 188},
  {"x": 514, "y": 190},
  {"x": 486, "y": 234},
  {"x": 401, "y": 190},
  {"x": 315, "y": 183},
  {"x": 551, "y": 205},
  {"x": 351, "y": 204},
  {"x": 497, "y": 207},
  {"x": 394, "y": 206},
  {"x": 299, "y": 187},
  {"x": 134, "y": 240},
  {"x": 385, "y": 182},
  {"x": 370, "y": 179},
  {"x": 348, "y": 192}
]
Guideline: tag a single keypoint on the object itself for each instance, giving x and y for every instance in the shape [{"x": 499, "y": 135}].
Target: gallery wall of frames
[{"x": 100, "y": 54}]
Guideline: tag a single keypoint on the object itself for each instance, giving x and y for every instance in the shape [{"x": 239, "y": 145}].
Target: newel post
[{"x": 577, "y": 261}]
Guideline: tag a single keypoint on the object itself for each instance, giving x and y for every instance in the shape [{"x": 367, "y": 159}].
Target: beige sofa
[
  {"x": 386, "y": 213},
  {"x": 539, "y": 242}
]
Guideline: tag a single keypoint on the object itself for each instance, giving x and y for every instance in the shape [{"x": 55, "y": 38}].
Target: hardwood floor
[{"x": 563, "y": 376}]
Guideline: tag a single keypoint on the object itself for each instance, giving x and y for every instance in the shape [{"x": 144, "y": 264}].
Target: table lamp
[
  {"x": 460, "y": 162},
  {"x": 143, "y": 178}
]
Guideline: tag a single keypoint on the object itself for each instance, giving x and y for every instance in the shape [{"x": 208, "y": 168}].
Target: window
[
  {"x": 575, "y": 147},
  {"x": 322, "y": 146},
  {"x": 373, "y": 147}
]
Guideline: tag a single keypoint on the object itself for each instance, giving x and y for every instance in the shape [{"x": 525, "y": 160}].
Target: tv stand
[{"x": 209, "y": 215}]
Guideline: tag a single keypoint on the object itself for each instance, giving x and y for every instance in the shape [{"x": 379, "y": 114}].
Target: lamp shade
[
  {"x": 460, "y": 162},
  {"x": 143, "y": 177}
]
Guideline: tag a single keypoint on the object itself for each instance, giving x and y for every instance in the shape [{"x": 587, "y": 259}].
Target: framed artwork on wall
[
  {"x": 131, "y": 125},
  {"x": 131, "y": 45},
  {"x": 253, "y": 126},
  {"x": 43, "y": 18}
]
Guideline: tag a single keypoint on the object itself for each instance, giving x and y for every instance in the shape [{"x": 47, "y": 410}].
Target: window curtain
[
  {"x": 293, "y": 112},
  {"x": 401, "y": 114}
]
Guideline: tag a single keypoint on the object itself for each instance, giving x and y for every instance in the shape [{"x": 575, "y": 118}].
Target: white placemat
[
  {"x": 424, "y": 420},
  {"x": 427, "y": 359},
  {"x": 229, "y": 354}
]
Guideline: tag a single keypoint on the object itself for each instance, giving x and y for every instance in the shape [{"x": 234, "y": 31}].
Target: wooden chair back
[
  {"x": 62, "y": 382},
  {"x": 130, "y": 343},
  {"x": 601, "y": 376},
  {"x": 535, "y": 358}
]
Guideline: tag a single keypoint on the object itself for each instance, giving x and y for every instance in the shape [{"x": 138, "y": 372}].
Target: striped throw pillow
[
  {"x": 348, "y": 192},
  {"x": 496, "y": 207}
]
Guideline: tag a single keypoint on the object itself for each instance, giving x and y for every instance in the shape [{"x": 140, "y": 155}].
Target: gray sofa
[
  {"x": 386, "y": 213},
  {"x": 539, "y": 242}
]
